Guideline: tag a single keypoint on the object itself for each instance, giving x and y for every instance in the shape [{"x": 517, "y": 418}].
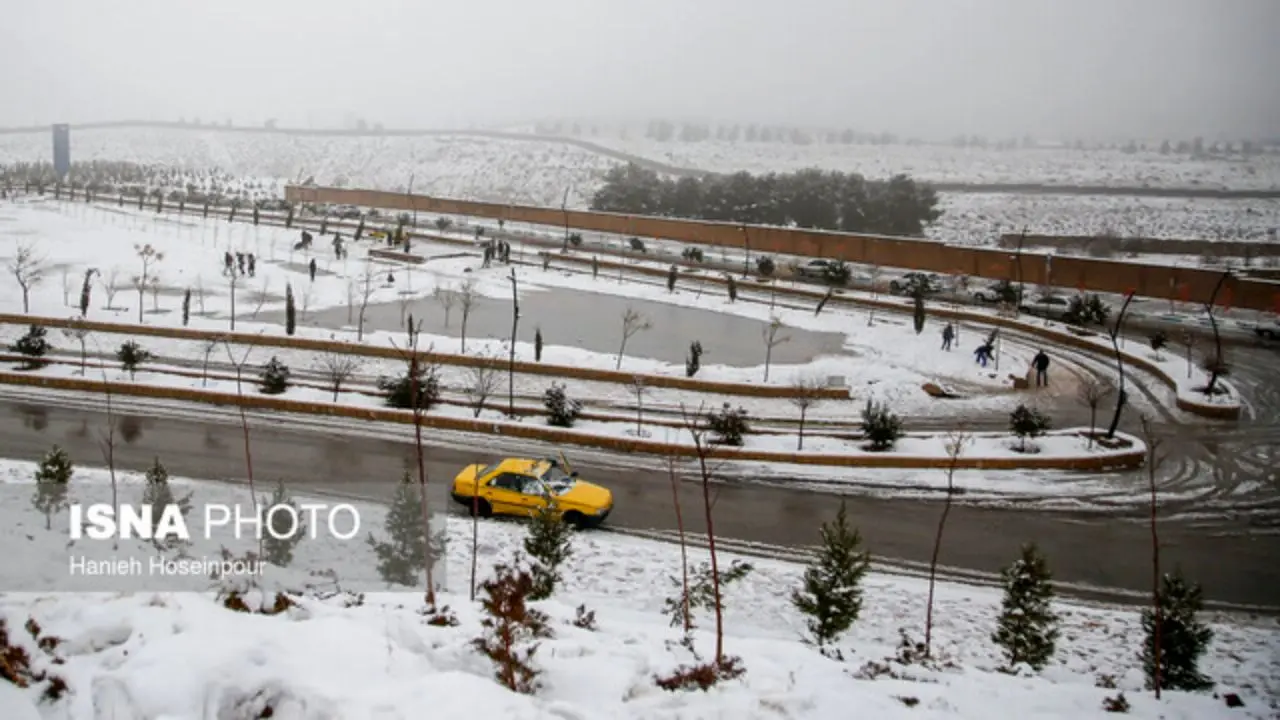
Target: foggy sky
[{"x": 928, "y": 68}]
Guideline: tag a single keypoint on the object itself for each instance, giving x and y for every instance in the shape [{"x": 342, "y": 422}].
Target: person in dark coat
[
  {"x": 983, "y": 354},
  {"x": 253, "y": 264},
  {"x": 948, "y": 335},
  {"x": 311, "y": 268},
  {"x": 1041, "y": 364}
]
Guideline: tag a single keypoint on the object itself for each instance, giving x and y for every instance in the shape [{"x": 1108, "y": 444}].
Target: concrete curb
[{"x": 1129, "y": 459}]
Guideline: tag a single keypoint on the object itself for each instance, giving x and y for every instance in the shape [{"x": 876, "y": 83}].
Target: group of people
[
  {"x": 245, "y": 263},
  {"x": 499, "y": 249},
  {"x": 985, "y": 352}
]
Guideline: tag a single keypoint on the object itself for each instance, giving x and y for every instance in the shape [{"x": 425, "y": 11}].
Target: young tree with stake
[
  {"x": 80, "y": 333},
  {"x": 771, "y": 340},
  {"x": 639, "y": 388},
  {"x": 148, "y": 256},
  {"x": 955, "y": 448},
  {"x": 447, "y": 297},
  {"x": 1091, "y": 392},
  {"x": 632, "y": 322},
  {"x": 338, "y": 369},
  {"x": 28, "y": 269},
  {"x": 806, "y": 394},
  {"x": 467, "y": 297},
  {"x": 484, "y": 380},
  {"x": 367, "y": 287}
]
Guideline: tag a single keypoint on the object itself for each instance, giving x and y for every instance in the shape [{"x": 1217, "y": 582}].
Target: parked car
[
  {"x": 816, "y": 269},
  {"x": 520, "y": 487},
  {"x": 909, "y": 283},
  {"x": 1268, "y": 330},
  {"x": 1052, "y": 307},
  {"x": 994, "y": 293}
]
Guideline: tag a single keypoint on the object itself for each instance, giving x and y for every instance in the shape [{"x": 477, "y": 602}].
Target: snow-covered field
[
  {"x": 944, "y": 163},
  {"x": 377, "y": 657},
  {"x": 539, "y": 172},
  {"x": 980, "y": 218},
  {"x": 463, "y": 166},
  {"x": 885, "y": 362}
]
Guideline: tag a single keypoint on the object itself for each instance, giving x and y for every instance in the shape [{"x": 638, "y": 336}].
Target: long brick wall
[{"x": 1097, "y": 275}]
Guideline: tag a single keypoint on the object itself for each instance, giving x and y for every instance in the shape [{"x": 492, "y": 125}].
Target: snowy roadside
[{"x": 380, "y": 659}]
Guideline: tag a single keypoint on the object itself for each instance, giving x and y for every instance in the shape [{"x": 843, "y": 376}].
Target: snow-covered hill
[
  {"x": 539, "y": 172},
  {"x": 944, "y": 163}
]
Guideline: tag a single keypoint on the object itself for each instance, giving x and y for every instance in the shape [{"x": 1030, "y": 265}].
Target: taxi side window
[{"x": 509, "y": 481}]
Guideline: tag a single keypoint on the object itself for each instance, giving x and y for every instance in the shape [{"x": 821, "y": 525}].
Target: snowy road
[{"x": 1088, "y": 548}]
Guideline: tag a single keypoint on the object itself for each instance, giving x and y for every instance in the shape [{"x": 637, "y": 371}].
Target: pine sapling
[
  {"x": 511, "y": 629},
  {"x": 549, "y": 544},
  {"x": 158, "y": 495},
  {"x": 52, "y": 479},
  {"x": 131, "y": 355},
  {"x": 1028, "y": 628},
  {"x": 403, "y": 556},
  {"x": 830, "y": 596},
  {"x": 274, "y": 379},
  {"x": 1183, "y": 637},
  {"x": 284, "y": 529},
  {"x": 290, "y": 310}
]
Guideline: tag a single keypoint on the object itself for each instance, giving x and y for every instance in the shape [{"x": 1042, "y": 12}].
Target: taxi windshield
[{"x": 558, "y": 482}]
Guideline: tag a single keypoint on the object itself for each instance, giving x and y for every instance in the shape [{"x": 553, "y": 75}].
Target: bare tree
[
  {"x": 806, "y": 394},
  {"x": 511, "y": 358},
  {"x": 263, "y": 294},
  {"x": 65, "y": 272},
  {"x": 78, "y": 331},
  {"x": 1153, "y": 461},
  {"x": 955, "y": 448},
  {"x": 154, "y": 286},
  {"x": 771, "y": 340},
  {"x": 233, "y": 280},
  {"x": 107, "y": 440},
  {"x": 698, "y": 431},
  {"x": 467, "y": 297},
  {"x": 244, "y": 427},
  {"x": 209, "y": 346},
  {"x": 414, "y": 359},
  {"x": 484, "y": 379},
  {"x": 306, "y": 301},
  {"x": 351, "y": 300},
  {"x": 367, "y": 288},
  {"x": 200, "y": 293},
  {"x": 1091, "y": 392},
  {"x": 111, "y": 286},
  {"x": 632, "y": 322},
  {"x": 28, "y": 270},
  {"x": 148, "y": 256},
  {"x": 337, "y": 368},
  {"x": 447, "y": 297},
  {"x": 406, "y": 304},
  {"x": 639, "y": 389},
  {"x": 687, "y": 617},
  {"x": 875, "y": 272}
]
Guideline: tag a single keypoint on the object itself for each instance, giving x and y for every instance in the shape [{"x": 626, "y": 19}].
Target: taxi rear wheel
[
  {"x": 480, "y": 508},
  {"x": 576, "y": 519}
]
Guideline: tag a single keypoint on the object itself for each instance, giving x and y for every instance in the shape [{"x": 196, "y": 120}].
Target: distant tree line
[{"x": 814, "y": 199}]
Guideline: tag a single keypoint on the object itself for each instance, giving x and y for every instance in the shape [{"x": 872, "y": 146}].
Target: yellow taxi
[{"x": 520, "y": 487}]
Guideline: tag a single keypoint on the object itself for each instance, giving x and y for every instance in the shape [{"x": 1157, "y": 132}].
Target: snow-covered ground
[
  {"x": 539, "y": 172},
  {"x": 886, "y": 361},
  {"x": 980, "y": 218},
  {"x": 944, "y": 163},
  {"x": 623, "y": 424},
  {"x": 377, "y": 657}
]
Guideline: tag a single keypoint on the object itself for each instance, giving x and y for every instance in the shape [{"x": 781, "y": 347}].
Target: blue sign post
[{"x": 61, "y": 150}]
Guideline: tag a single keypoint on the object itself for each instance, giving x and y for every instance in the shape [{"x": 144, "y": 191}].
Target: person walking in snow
[
  {"x": 1041, "y": 364},
  {"x": 253, "y": 264},
  {"x": 227, "y": 261},
  {"x": 948, "y": 335},
  {"x": 983, "y": 354},
  {"x": 311, "y": 268}
]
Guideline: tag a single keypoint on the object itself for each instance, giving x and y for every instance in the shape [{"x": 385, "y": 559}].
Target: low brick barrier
[
  {"x": 1117, "y": 461},
  {"x": 1209, "y": 410},
  {"x": 522, "y": 367}
]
